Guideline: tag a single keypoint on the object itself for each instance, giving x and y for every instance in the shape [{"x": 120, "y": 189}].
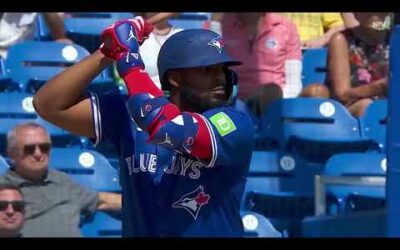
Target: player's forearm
[
  {"x": 166, "y": 124},
  {"x": 67, "y": 88},
  {"x": 109, "y": 201}
]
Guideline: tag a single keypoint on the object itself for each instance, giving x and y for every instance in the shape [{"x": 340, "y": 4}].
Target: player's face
[{"x": 204, "y": 87}]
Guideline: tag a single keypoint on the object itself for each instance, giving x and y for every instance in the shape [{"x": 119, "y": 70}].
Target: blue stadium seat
[
  {"x": 314, "y": 66},
  {"x": 85, "y": 28},
  {"x": 355, "y": 164},
  {"x": 242, "y": 106},
  {"x": 374, "y": 121},
  {"x": 274, "y": 172},
  {"x": 3, "y": 166},
  {"x": 204, "y": 16},
  {"x": 285, "y": 210},
  {"x": 365, "y": 224},
  {"x": 101, "y": 225},
  {"x": 264, "y": 173},
  {"x": 256, "y": 225},
  {"x": 316, "y": 128},
  {"x": 5, "y": 81},
  {"x": 31, "y": 64},
  {"x": 87, "y": 167},
  {"x": 16, "y": 108},
  {"x": 188, "y": 24}
]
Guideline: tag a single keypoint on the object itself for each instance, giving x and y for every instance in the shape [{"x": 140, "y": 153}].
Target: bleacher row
[{"x": 296, "y": 139}]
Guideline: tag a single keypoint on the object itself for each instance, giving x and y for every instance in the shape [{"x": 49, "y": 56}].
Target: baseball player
[{"x": 184, "y": 158}]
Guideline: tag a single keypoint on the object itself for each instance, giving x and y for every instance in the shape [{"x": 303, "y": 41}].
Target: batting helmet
[{"x": 195, "y": 48}]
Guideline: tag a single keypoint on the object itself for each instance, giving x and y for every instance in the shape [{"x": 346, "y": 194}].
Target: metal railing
[{"x": 321, "y": 181}]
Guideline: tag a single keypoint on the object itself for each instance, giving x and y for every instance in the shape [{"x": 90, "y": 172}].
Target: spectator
[
  {"x": 150, "y": 48},
  {"x": 12, "y": 211},
  {"x": 54, "y": 202},
  {"x": 269, "y": 47},
  {"x": 316, "y": 29},
  {"x": 358, "y": 62},
  {"x": 349, "y": 20},
  {"x": 18, "y": 26}
]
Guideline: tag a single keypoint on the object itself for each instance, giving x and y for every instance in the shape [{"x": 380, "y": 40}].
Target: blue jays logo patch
[
  {"x": 217, "y": 43},
  {"x": 193, "y": 201}
]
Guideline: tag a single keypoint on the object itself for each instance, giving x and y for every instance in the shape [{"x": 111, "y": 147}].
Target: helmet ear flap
[{"x": 232, "y": 86}]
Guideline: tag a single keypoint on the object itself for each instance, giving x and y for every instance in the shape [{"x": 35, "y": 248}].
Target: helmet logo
[{"x": 217, "y": 43}]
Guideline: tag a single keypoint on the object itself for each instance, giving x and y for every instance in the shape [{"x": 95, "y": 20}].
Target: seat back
[
  {"x": 374, "y": 122},
  {"x": 314, "y": 66},
  {"x": 314, "y": 127},
  {"x": 3, "y": 166},
  {"x": 204, "y": 16},
  {"x": 364, "y": 224},
  {"x": 17, "y": 108},
  {"x": 101, "y": 225},
  {"x": 256, "y": 225},
  {"x": 87, "y": 167},
  {"x": 314, "y": 118},
  {"x": 31, "y": 64},
  {"x": 5, "y": 82},
  {"x": 188, "y": 23},
  {"x": 355, "y": 164},
  {"x": 85, "y": 28}
]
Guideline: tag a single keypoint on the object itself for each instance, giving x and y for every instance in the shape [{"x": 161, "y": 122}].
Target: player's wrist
[{"x": 128, "y": 62}]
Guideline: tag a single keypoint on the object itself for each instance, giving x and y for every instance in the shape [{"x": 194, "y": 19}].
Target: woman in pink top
[{"x": 269, "y": 47}]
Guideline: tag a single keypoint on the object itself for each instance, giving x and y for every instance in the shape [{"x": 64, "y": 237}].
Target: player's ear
[{"x": 174, "y": 78}]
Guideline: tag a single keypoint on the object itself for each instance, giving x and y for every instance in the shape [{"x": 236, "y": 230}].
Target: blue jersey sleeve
[
  {"x": 109, "y": 112},
  {"x": 232, "y": 134}
]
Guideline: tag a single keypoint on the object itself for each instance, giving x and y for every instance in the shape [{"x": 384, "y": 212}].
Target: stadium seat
[
  {"x": 5, "y": 82},
  {"x": 264, "y": 173},
  {"x": 87, "y": 167},
  {"x": 374, "y": 121},
  {"x": 273, "y": 172},
  {"x": 16, "y": 108},
  {"x": 3, "y": 166},
  {"x": 101, "y": 225},
  {"x": 365, "y": 224},
  {"x": 242, "y": 106},
  {"x": 314, "y": 66},
  {"x": 85, "y": 28},
  {"x": 256, "y": 225},
  {"x": 188, "y": 24},
  {"x": 204, "y": 16},
  {"x": 355, "y": 164},
  {"x": 31, "y": 64},
  {"x": 285, "y": 210},
  {"x": 316, "y": 128}
]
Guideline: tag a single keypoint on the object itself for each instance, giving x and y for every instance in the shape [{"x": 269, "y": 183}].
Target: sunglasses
[
  {"x": 18, "y": 206},
  {"x": 29, "y": 149}
]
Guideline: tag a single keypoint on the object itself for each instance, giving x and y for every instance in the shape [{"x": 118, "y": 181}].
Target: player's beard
[{"x": 198, "y": 101}]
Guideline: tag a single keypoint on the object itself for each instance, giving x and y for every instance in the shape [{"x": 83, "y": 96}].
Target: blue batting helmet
[{"x": 194, "y": 48}]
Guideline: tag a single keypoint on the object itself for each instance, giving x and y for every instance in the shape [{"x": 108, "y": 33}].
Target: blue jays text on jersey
[{"x": 170, "y": 193}]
